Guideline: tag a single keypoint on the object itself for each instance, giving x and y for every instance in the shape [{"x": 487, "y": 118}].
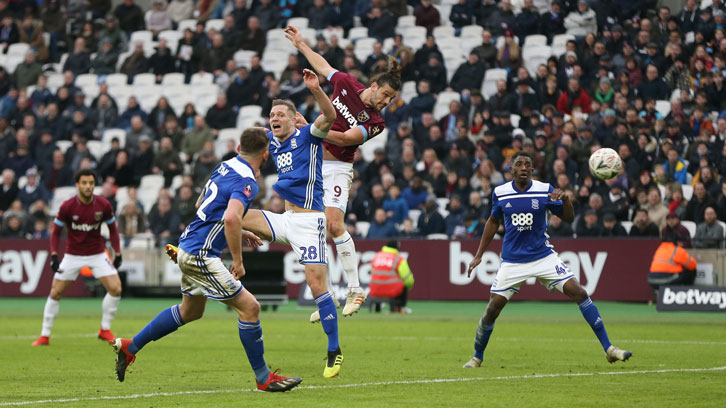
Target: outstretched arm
[
  {"x": 324, "y": 121},
  {"x": 317, "y": 61},
  {"x": 489, "y": 231}
]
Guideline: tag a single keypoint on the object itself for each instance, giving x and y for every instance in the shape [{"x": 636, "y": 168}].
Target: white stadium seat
[
  {"x": 60, "y": 195},
  {"x": 489, "y": 86},
  {"x": 116, "y": 79},
  {"x": 216, "y": 24},
  {"x": 298, "y": 22},
  {"x": 357, "y": 32},
  {"x": 184, "y": 24},
  {"x": 472, "y": 31},
  {"x": 687, "y": 191},
  {"x": 173, "y": 78},
  {"x": 690, "y": 226},
  {"x": 109, "y": 134}
]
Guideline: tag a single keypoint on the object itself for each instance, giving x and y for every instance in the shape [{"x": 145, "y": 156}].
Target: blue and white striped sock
[
  {"x": 250, "y": 333},
  {"x": 592, "y": 316},
  {"x": 166, "y": 322},
  {"x": 329, "y": 319}
]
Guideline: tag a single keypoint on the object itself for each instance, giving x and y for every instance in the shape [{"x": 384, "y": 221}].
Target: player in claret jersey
[
  {"x": 522, "y": 205},
  {"x": 358, "y": 119},
  {"x": 83, "y": 216}
]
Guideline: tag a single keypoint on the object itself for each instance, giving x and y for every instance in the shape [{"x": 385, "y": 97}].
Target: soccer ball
[{"x": 605, "y": 163}]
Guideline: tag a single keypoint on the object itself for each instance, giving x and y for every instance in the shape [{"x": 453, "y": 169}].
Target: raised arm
[
  {"x": 317, "y": 61},
  {"x": 490, "y": 230},
  {"x": 324, "y": 121},
  {"x": 351, "y": 137}
]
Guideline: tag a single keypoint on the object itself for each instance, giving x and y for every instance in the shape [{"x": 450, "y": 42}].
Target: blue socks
[
  {"x": 329, "y": 319},
  {"x": 166, "y": 322},
  {"x": 590, "y": 313},
  {"x": 250, "y": 333},
  {"x": 483, "y": 332}
]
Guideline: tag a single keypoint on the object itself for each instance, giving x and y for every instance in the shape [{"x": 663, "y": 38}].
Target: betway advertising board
[
  {"x": 695, "y": 298},
  {"x": 608, "y": 269},
  {"x": 25, "y": 270}
]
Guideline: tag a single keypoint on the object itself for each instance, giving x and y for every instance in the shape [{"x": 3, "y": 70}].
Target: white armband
[{"x": 317, "y": 132}]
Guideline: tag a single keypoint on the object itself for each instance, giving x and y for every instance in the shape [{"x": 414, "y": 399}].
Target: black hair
[
  {"x": 392, "y": 77},
  {"x": 522, "y": 153},
  {"x": 85, "y": 172},
  {"x": 393, "y": 244},
  {"x": 253, "y": 141}
]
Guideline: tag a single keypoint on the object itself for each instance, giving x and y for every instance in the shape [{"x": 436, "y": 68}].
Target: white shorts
[
  {"x": 206, "y": 276},
  {"x": 550, "y": 270},
  {"x": 304, "y": 232},
  {"x": 71, "y": 265},
  {"x": 337, "y": 178}
]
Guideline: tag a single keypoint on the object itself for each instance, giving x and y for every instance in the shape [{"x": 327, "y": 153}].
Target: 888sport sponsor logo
[
  {"x": 284, "y": 162},
  {"x": 523, "y": 221}
]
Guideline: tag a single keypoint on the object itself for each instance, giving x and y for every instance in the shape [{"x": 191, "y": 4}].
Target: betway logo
[
  {"x": 345, "y": 112},
  {"x": 15, "y": 266},
  {"x": 694, "y": 297},
  {"x": 84, "y": 227},
  {"x": 486, "y": 272}
]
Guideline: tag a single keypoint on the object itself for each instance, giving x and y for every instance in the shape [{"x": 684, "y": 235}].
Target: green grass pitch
[{"x": 541, "y": 354}]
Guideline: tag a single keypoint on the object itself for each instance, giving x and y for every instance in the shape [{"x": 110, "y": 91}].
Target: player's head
[
  {"x": 385, "y": 86},
  {"x": 522, "y": 167},
  {"x": 85, "y": 183},
  {"x": 254, "y": 144},
  {"x": 393, "y": 244},
  {"x": 282, "y": 118}
]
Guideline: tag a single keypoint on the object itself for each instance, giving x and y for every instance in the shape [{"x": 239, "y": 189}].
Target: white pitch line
[
  {"x": 370, "y": 384},
  {"x": 414, "y": 338}
]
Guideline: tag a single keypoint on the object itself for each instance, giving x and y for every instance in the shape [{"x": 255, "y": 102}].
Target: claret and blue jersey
[
  {"x": 234, "y": 178},
  {"x": 299, "y": 162},
  {"x": 525, "y": 220}
]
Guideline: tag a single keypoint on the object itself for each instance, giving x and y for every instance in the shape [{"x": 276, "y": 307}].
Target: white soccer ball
[{"x": 605, "y": 163}]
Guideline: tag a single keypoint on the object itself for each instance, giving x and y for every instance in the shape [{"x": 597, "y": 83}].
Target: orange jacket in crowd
[{"x": 670, "y": 258}]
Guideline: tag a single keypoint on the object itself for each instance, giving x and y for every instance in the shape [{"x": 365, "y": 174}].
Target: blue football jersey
[
  {"x": 233, "y": 178},
  {"x": 525, "y": 220},
  {"x": 299, "y": 161}
]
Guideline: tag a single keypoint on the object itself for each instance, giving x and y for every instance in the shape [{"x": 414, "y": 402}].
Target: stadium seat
[
  {"x": 473, "y": 30},
  {"x": 176, "y": 182},
  {"x": 408, "y": 91},
  {"x": 248, "y": 112},
  {"x": 220, "y": 145},
  {"x": 364, "y": 48},
  {"x": 299, "y": 22},
  {"x": 172, "y": 79},
  {"x": 468, "y": 44},
  {"x": 184, "y": 24},
  {"x": 559, "y": 42},
  {"x": 627, "y": 225},
  {"x": 368, "y": 148},
  {"x": 723, "y": 227},
  {"x": 534, "y": 56},
  {"x": 55, "y": 81},
  {"x": 172, "y": 38},
  {"x": 406, "y": 21},
  {"x": 144, "y": 80},
  {"x": 141, "y": 241},
  {"x": 489, "y": 86},
  {"x": 446, "y": 97},
  {"x": 444, "y": 12},
  {"x": 329, "y": 32},
  {"x": 357, "y": 32},
  {"x": 535, "y": 39},
  {"x": 270, "y": 180},
  {"x": 442, "y": 203},
  {"x": 63, "y": 145},
  {"x": 96, "y": 148},
  {"x": 149, "y": 189},
  {"x": 452, "y": 62},
  {"x": 413, "y": 214},
  {"x": 60, "y": 195},
  {"x": 362, "y": 228},
  {"x": 142, "y": 36},
  {"x": 22, "y": 182},
  {"x": 414, "y": 37},
  {"x": 116, "y": 79},
  {"x": 18, "y": 49},
  {"x": 442, "y": 32},
  {"x": 437, "y": 236},
  {"x": 86, "y": 79},
  {"x": 514, "y": 119},
  {"x": 202, "y": 78},
  {"x": 217, "y": 24},
  {"x": 663, "y": 107},
  {"x": 243, "y": 57},
  {"x": 109, "y": 134},
  {"x": 662, "y": 190},
  {"x": 690, "y": 226},
  {"x": 275, "y": 34},
  {"x": 687, "y": 191}
]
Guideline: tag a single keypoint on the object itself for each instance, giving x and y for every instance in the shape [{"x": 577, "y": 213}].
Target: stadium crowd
[{"x": 483, "y": 79}]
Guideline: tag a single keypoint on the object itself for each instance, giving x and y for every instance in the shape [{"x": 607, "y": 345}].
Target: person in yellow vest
[
  {"x": 391, "y": 277},
  {"x": 672, "y": 265}
]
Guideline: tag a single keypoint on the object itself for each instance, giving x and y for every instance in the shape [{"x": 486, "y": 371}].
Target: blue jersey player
[
  {"x": 526, "y": 252},
  {"x": 218, "y": 224},
  {"x": 298, "y": 155}
]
